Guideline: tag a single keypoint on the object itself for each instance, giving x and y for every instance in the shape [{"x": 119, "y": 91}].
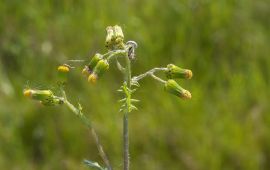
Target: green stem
[
  {"x": 88, "y": 123},
  {"x": 125, "y": 118}
]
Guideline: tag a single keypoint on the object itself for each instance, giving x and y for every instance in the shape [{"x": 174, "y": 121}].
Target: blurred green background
[{"x": 225, "y": 126}]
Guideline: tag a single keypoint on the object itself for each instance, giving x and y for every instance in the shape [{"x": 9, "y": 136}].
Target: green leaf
[
  {"x": 94, "y": 165},
  {"x": 135, "y": 83},
  {"x": 122, "y": 100},
  {"x": 134, "y": 100}
]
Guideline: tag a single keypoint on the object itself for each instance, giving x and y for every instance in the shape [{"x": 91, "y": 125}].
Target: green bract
[
  {"x": 101, "y": 67},
  {"x": 41, "y": 94},
  {"x": 51, "y": 101}
]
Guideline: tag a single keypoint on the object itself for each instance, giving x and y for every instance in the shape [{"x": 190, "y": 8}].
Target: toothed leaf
[
  {"x": 122, "y": 100},
  {"x": 94, "y": 165}
]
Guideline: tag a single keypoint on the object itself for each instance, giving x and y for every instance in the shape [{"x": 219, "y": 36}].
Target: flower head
[
  {"x": 172, "y": 87},
  {"x": 174, "y": 71}
]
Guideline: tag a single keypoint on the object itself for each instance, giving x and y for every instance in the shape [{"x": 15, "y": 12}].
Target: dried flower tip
[
  {"x": 92, "y": 78},
  {"x": 172, "y": 87},
  {"x": 93, "y": 62},
  {"x": 63, "y": 68},
  {"x": 86, "y": 71},
  {"x": 27, "y": 92},
  {"x": 174, "y": 71}
]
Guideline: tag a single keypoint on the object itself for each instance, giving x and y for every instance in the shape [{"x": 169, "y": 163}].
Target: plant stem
[
  {"x": 88, "y": 123},
  {"x": 149, "y": 73},
  {"x": 125, "y": 118}
]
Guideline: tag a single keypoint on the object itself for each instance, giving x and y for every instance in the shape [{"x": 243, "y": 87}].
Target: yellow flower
[{"x": 63, "y": 68}]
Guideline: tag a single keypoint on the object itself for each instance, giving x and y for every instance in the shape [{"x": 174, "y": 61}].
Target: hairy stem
[
  {"x": 125, "y": 118},
  {"x": 88, "y": 123},
  {"x": 149, "y": 73}
]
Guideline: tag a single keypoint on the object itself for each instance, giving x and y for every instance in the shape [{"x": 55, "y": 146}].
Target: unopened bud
[
  {"x": 101, "y": 67},
  {"x": 172, "y": 87},
  {"x": 38, "y": 94},
  {"x": 93, "y": 62},
  {"x": 98, "y": 71},
  {"x": 45, "y": 97},
  {"x": 174, "y": 71}
]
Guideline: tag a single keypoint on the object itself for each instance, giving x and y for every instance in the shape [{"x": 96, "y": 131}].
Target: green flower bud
[
  {"x": 172, "y": 87},
  {"x": 99, "y": 70},
  {"x": 38, "y": 94},
  {"x": 174, "y": 71},
  {"x": 45, "y": 97},
  {"x": 95, "y": 59}
]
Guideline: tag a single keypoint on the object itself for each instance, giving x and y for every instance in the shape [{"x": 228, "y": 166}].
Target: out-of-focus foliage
[{"x": 226, "y": 43}]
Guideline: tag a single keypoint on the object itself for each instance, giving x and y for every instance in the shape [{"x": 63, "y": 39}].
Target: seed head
[
  {"x": 114, "y": 38},
  {"x": 174, "y": 71},
  {"x": 172, "y": 87}
]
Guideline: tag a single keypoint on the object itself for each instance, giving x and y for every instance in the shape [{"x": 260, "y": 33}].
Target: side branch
[
  {"x": 88, "y": 123},
  {"x": 149, "y": 73}
]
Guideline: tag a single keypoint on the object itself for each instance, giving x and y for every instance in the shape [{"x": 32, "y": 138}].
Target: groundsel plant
[{"x": 97, "y": 66}]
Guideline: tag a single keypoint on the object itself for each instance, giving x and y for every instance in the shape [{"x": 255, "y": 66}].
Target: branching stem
[
  {"x": 88, "y": 123},
  {"x": 150, "y": 73}
]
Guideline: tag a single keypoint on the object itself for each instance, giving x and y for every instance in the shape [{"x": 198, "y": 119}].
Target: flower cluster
[
  {"x": 96, "y": 68},
  {"x": 171, "y": 86}
]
